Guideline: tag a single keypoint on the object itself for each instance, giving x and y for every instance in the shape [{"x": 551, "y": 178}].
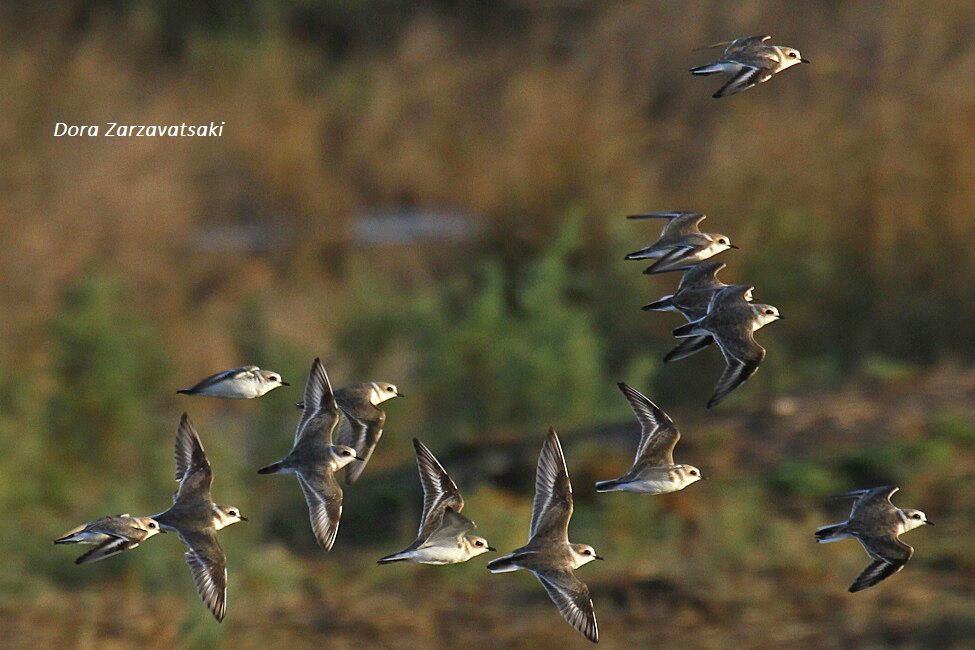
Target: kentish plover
[
  {"x": 246, "y": 382},
  {"x": 681, "y": 244},
  {"x": 750, "y": 61}
]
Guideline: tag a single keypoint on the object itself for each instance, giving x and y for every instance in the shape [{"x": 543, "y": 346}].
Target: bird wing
[
  {"x": 671, "y": 260},
  {"x": 320, "y": 412},
  {"x": 216, "y": 378},
  {"x": 889, "y": 556},
  {"x": 208, "y": 564},
  {"x": 872, "y": 502},
  {"x": 658, "y": 434},
  {"x": 571, "y": 596},
  {"x": 552, "y": 506},
  {"x": 324, "y": 498},
  {"x": 701, "y": 276},
  {"x": 362, "y": 435},
  {"x": 687, "y": 347},
  {"x": 748, "y": 76},
  {"x": 193, "y": 469},
  {"x": 742, "y": 357},
  {"x": 452, "y": 527},
  {"x": 112, "y": 546},
  {"x": 737, "y": 42},
  {"x": 733, "y": 295},
  {"x": 439, "y": 490}
]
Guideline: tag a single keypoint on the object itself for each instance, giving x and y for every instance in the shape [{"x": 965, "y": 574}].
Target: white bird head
[
  {"x": 148, "y": 524},
  {"x": 271, "y": 380},
  {"x": 765, "y": 314},
  {"x": 913, "y": 519},
  {"x": 477, "y": 545},
  {"x": 583, "y": 554},
  {"x": 223, "y": 516},
  {"x": 689, "y": 474},
  {"x": 789, "y": 57},
  {"x": 719, "y": 242},
  {"x": 382, "y": 391},
  {"x": 342, "y": 456}
]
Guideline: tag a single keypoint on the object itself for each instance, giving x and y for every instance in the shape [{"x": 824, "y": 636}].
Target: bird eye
[
  {"x": 152, "y": 525},
  {"x": 587, "y": 552},
  {"x": 769, "y": 312},
  {"x": 232, "y": 513},
  {"x": 346, "y": 453},
  {"x": 478, "y": 543},
  {"x": 389, "y": 388},
  {"x": 275, "y": 378},
  {"x": 792, "y": 54},
  {"x": 693, "y": 472},
  {"x": 916, "y": 516}
]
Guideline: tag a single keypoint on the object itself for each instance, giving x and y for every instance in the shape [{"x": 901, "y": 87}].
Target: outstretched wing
[
  {"x": 552, "y": 507},
  {"x": 319, "y": 413},
  {"x": 324, "y": 498},
  {"x": 111, "y": 546},
  {"x": 872, "y": 501},
  {"x": 208, "y": 564},
  {"x": 658, "y": 434},
  {"x": 451, "y": 528},
  {"x": 572, "y": 597},
  {"x": 439, "y": 490},
  {"x": 212, "y": 380},
  {"x": 889, "y": 556},
  {"x": 687, "y": 347},
  {"x": 192, "y": 466},
  {"x": 701, "y": 276},
  {"x": 742, "y": 357},
  {"x": 363, "y": 436},
  {"x": 747, "y": 77}
]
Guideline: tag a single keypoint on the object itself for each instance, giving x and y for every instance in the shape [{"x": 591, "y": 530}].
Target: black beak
[
  {"x": 781, "y": 317},
  {"x": 804, "y": 60},
  {"x": 284, "y": 383},
  {"x": 929, "y": 522},
  {"x": 243, "y": 518},
  {"x": 599, "y": 557},
  {"x": 704, "y": 478},
  {"x": 360, "y": 458},
  {"x": 491, "y": 548},
  {"x": 400, "y": 395},
  {"x": 733, "y": 246}
]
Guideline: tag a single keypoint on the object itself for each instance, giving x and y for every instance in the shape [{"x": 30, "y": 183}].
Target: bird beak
[
  {"x": 400, "y": 395},
  {"x": 929, "y": 522},
  {"x": 733, "y": 246},
  {"x": 284, "y": 383},
  {"x": 599, "y": 557},
  {"x": 492, "y": 549},
  {"x": 360, "y": 458},
  {"x": 804, "y": 60},
  {"x": 781, "y": 317},
  {"x": 704, "y": 478},
  {"x": 244, "y": 519}
]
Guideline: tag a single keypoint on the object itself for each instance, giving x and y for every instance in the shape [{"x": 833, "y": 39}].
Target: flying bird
[
  {"x": 314, "y": 457},
  {"x": 750, "y": 61},
  {"x": 246, "y": 382},
  {"x": 110, "y": 536},
  {"x": 548, "y": 554},
  {"x": 195, "y": 518},
  {"x": 653, "y": 470},
  {"x": 732, "y": 321},
  {"x": 681, "y": 244},
  {"x": 877, "y": 524},
  {"x": 445, "y": 535}
]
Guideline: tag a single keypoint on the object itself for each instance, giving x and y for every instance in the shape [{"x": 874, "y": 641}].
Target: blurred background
[{"x": 432, "y": 194}]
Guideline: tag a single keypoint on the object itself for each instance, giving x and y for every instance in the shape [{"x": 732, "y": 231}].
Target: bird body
[
  {"x": 877, "y": 524},
  {"x": 750, "y": 61},
  {"x": 246, "y": 382},
  {"x": 110, "y": 536},
  {"x": 681, "y": 244}
]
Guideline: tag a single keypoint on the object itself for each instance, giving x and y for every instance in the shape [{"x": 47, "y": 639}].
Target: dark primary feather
[
  {"x": 658, "y": 434},
  {"x": 747, "y": 77},
  {"x": 552, "y": 505},
  {"x": 573, "y": 600},
  {"x": 193, "y": 469},
  {"x": 362, "y": 435},
  {"x": 208, "y": 564},
  {"x": 889, "y": 556},
  {"x": 324, "y": 498},
  {"x": 687, "y": 347},
  {"x": 439, "y": 490},
  {"x": 319, "y": 414},
  {"x": 216, "y": 378}
]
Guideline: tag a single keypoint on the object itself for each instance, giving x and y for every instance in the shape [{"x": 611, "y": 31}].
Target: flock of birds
[{"x": 339, "y": 429}]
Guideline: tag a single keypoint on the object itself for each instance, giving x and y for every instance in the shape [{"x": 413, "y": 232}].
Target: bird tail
[
  {"x": 607, "y": 486},
  {"x": 664, "y": 304},
  {"x": 831, "y": 533},
  {"x": 688, "y": 329},
  {"x": 395, "y": 557},
  {"x": 710, "y": 68},
  {"x": 70, "y": 538},
  {"x": 273, "y": 468},
  {"x": 502, "y": 564}
]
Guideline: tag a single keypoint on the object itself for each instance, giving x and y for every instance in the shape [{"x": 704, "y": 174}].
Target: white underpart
[{"x": 578, "y": 559}]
